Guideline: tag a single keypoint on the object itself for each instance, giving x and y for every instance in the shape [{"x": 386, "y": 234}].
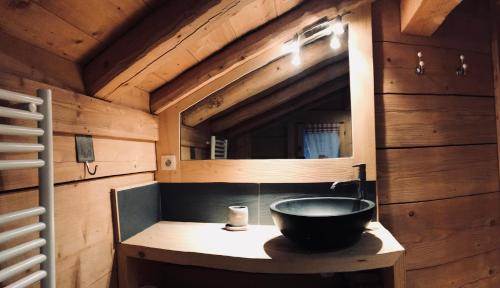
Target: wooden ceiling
[
  {"x": 174, "y": 38},
  {"x": 72, "y": 29},
  {"x": 171, "y": 49}
]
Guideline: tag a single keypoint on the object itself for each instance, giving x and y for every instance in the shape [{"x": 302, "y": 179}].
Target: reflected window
[{"x": 321, "y": 141}]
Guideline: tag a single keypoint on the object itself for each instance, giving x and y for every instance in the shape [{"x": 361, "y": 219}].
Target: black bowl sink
[{"x": 322, "y": 222}]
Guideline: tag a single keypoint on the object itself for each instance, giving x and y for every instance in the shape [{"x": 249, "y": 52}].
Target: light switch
[{"x": 168, "y": 162}]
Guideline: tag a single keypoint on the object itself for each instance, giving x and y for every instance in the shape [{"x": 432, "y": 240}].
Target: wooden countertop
[{"x": 260, "y": 249}]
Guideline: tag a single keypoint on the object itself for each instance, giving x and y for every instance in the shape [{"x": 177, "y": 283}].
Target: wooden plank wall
[
  {"x": 124, "y": 146},
  {"x": 437, "y": 162}
]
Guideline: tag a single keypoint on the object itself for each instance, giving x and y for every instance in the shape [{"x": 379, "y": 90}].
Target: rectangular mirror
[
  {"x": 270, "y": 104},
  {"x": 298, "y": 106}
]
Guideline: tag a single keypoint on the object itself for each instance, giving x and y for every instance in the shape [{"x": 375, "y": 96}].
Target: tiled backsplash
[{"x": 208, "y": 202}]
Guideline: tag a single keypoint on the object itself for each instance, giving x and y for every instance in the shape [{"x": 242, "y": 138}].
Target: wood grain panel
[
  {"x": 426, "y": 120},
  {"x": 165, "y": 68},
  {"x": 438, "y": 232},
  {"x": 261, "y": 10},
  {"x": 212, "y": 41},
  {"x": 395, "y": 70},
  {"x": 464, "y": 29},
  {"x": 76, "y": 113},
  {"x": 283, "y": 6},
  {"x": 25, "y": 60},
  {"x": 28, "y": 21},
  {"x": 418, "y": 174},
  {"x": 84, "y": 233},
  {"x": 103, "y": 20},
  {"x": 131, "y": 97},
  {"x": 113, "y": 156},
  {"x": 480, "y": 271}
]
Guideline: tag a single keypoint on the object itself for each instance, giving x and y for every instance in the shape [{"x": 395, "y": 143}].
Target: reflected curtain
[{"x": 321, "y": 140}]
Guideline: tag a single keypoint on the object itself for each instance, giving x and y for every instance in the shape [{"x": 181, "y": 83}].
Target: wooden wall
[
  {"x": 437, "y": 161},
  {"x": 124, "y": 145}
]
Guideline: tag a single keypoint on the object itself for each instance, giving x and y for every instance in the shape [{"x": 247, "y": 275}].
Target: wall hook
[
  {"x": 420, "y": 66},
  {"x": 88, "y": 168},
  {"x": 462, "y": 69}
]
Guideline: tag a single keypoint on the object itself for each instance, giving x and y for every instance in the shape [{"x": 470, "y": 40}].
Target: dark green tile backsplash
[{"x": 208, "y": 202}]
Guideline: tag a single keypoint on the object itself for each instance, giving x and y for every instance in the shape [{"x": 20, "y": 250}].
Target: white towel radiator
[
  {"x": 27, "y": 110},
  {"x": 218, "y": 148}
]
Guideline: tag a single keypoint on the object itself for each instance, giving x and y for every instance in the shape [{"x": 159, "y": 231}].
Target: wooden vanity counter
[{"x": 260, "y": 249}]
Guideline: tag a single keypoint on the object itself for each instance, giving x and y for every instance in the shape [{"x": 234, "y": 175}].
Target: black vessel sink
[{"x": 322, "y": 222}]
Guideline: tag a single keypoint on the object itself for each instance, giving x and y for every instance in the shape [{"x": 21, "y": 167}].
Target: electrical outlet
[{"x": 168, "y": 162}]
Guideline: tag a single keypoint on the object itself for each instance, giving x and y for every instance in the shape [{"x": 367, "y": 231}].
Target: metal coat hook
[
  {"x": 420, "y": 66},
  {"x": 88, "y": 168},
  {"x": 462, "y": 69}
]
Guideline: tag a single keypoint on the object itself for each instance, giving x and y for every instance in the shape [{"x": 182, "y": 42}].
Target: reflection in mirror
[{"x": 295, "y": 107}]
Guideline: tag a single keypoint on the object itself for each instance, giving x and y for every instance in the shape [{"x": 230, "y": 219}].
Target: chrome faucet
[{"x": 360, "y": 182}]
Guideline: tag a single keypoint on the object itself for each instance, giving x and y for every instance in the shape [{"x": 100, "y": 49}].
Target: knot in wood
[{"x": 215, "y": 101}]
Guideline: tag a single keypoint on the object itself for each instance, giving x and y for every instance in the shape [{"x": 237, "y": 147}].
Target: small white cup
[{"x": 237, "y": 216}]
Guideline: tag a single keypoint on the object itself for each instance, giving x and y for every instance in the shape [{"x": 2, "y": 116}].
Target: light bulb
[
  {"x": 334, "y": 42},
  {"x": 295, "y": 47},
  {"x": 285, "y": 48},
  {"x": 296, "y": 59},
  {"x": 291, "y": 46},
  {"x": 338, "y": 27}
]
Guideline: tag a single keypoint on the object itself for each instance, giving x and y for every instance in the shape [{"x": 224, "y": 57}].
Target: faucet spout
[{"x": 360, "y": 182}]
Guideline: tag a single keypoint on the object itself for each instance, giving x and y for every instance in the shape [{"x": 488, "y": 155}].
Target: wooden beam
[
  {"x": 157, "y": 35},
  {"x": 312, "y": 96},
  {"x": 253, "y": 51},
  {"x": 282, "y": 96},
  {"x": 258, "y": 81},
  {"x": 423, "y": 17}
]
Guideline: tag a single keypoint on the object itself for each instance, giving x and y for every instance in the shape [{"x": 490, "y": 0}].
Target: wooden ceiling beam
[
  {"x": 423, "y": 17},
  {"x": 155, "y": 36},
  {"x": 247, "y": 53},
  {"x": 258, "y": 81},
  {"x": 282, "y": 96},
  {"x": 308, "y": 98}
]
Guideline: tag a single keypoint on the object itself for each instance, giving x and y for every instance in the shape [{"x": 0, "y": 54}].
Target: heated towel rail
[
  {"x": 25, "y": 108},
  {"x": 218, "y": 148}
]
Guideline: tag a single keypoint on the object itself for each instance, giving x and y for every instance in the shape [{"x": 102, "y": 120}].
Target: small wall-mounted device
[
  {"x": 168, "y": 162},
  {"x": 420, "y": 70},
  {"x": 85, "y": 151},
  {"x": 462, "y": 69}
]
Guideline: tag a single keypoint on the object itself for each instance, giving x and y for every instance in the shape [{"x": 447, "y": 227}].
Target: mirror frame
[{"x": 289, "y": 170}]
